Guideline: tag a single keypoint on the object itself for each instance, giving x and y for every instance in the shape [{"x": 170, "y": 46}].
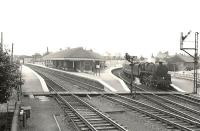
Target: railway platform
[
  {"x": 106, "y": 78},
  {"x": 184, "y": 85},
  {"x": 33, "y": 82},
  {"x": 43, "y": 109},
  {"x": 184, "y": 81}
]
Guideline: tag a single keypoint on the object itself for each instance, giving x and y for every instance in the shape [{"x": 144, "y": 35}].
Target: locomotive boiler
[{"x": 149, "y": 74}]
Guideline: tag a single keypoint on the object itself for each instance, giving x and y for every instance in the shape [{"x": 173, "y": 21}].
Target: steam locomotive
[{"x": 149, "y": 74}]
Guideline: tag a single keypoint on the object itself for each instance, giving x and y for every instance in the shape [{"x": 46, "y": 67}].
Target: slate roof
[{"x": 74, "y": 54}]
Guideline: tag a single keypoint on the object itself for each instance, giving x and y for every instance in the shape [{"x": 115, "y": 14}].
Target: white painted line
[
  {"x": 177, "y": 88},
  {"x": 106, "y": 85},
  {"x": 121, "y": 81},
  {"x": 43, "y": 83},
  {"x": 57, "y": 122}
]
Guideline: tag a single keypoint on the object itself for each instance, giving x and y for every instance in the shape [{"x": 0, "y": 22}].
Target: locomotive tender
[{"x": 149, "y": 74}]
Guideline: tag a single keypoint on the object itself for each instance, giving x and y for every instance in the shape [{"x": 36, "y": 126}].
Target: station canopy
[{"x": 74, "y": 54}]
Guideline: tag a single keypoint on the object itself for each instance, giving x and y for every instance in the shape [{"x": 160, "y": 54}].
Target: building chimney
[{"x": 47, "y": 50}]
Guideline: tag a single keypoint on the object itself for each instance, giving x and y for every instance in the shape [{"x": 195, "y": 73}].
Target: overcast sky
[{"x": 139, "y": 27}]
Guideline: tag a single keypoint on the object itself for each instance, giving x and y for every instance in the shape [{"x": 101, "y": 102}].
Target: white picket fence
[{"x": 186, "y": 76}]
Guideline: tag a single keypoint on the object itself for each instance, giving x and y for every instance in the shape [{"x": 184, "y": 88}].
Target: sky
[{"x": 138, "y": 27}]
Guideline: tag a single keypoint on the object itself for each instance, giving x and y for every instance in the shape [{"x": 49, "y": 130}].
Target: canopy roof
[{"x": 74, "y": 54}]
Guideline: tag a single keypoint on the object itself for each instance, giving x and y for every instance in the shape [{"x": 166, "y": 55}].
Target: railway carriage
[{"x": 149, "y": 74}]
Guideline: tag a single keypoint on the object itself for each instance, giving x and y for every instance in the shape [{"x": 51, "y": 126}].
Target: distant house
[
  {"x": 75, "y": 59},
  {"x": 180, "y": 62},
  {"x": 27, "y": 60},
  {"x": 24, "y": 59}
]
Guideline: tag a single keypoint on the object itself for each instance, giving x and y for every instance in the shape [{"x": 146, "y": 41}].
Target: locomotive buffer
[{"x": 131, "y": 59}]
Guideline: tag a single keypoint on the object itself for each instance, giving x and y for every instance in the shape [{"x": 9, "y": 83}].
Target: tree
[
  {"x": 9, "y": 76},
  {"x": 162, "y": 56},
  {"x": 37, "y": 55}
]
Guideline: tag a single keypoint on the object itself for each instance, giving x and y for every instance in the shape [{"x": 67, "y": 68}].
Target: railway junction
[
  {"x": 63, "y": 95},
  {"x": 61, "y": 100}
]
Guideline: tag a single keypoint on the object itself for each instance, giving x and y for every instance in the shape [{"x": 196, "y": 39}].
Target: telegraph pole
[
  {"x": 1, "y": 46},
  {"x": 12, "y": 54},
  {"x": 195, "y": 56}
]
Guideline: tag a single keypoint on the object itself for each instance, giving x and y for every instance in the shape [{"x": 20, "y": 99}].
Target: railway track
[
  {"x": 186, "y": 98},
  {"x": 174, "y": 115},
  {"x": 170, "y": 105},
  {"x": 189, "y": 99},
  {"x": 66, "y": 78},
  {"x": 83, "y": 116},
  {"x": 81, "y": 84},
  {"x": 51, "y": 83},
  {"x": 172, "y": 121}
]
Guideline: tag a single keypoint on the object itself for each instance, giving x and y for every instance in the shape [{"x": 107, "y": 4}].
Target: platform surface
[
  {"x": 31, "y": 81},
  {"x": 185, "y": 85},
  {"x": 42, "y": 108},
  {"x": 41, "y": 117}
]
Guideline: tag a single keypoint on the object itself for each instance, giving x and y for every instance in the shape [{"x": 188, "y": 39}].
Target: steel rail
[
  {"x": 188, "y": 99},
  {"x": 117, "y": 126},
  {"x": 60, "y": 76},
  {"x": 73, "y": 110},
  {"x": 67, "y": 77},
  {"x": 68, "y": 116},
  {"x": 193, "y": 98},
  {"x": 91, "y": 127},
  {"x": 80, "y": 82},
  {"x": 156, "y": 116},
  {"x": 65, "y": 102},
  {"x": 180, "y": 96},
  {"x": 177, "y": 104},
  {"x": 90, "y": 107},
  {"x": 167, "y": 106},
  {"x": 174, "y": 103},
  {"x": 101, "y": 114},
  {"x": 61, "y": 88}
]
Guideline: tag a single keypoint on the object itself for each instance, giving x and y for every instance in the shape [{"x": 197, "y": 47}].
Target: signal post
[
  {"x": 195, "y": 56},
  {"x": 131, "y": 59}
]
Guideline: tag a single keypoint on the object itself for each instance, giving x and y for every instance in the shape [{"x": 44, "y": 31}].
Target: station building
[
  {"x": 75, "y": 59},
  {"x": 180, "y": 63}
]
